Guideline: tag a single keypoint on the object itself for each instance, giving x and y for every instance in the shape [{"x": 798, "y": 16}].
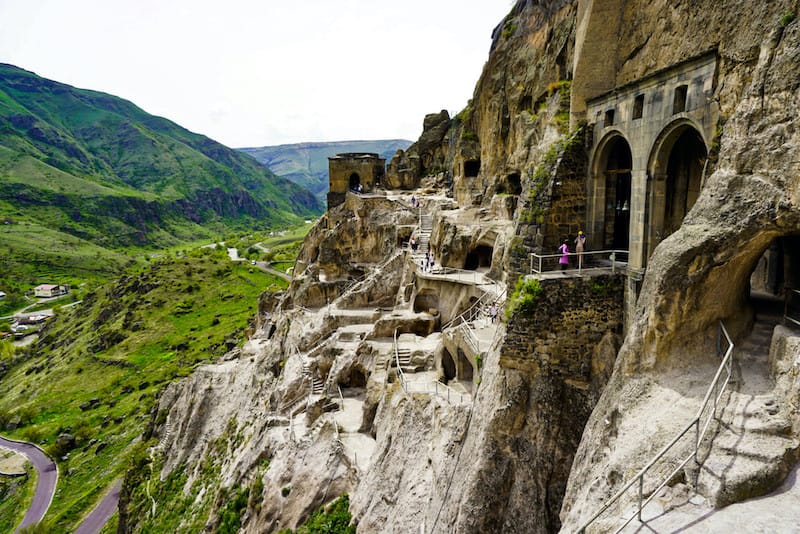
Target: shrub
[
  {"x": 525, "y": 297},
  {"x": 787, "y": 18}
]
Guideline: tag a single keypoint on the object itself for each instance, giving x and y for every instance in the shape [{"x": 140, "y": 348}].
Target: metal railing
[
  {"x": 469, "y": 336},
  {"x": 596, "y": 259},
  {"x": 700, "y": 424},
  {"x": 400, "y": 374},
  {"x": 787, "y": 307}
]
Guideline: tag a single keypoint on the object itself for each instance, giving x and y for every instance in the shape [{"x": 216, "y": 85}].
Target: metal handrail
[
  {"x": 789, "y": 292},
  {"x": 612, "y": 255},
  {"x": 400, "y": 373},
  {"x": 469, "y": 336},
  {"x": 711, "y": 394}
]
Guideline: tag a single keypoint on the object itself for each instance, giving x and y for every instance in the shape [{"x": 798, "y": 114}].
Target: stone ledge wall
[{"x": 572, "y": 316}]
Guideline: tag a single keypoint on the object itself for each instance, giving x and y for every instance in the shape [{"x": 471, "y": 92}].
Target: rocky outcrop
[{"x": 558, "y": 412}]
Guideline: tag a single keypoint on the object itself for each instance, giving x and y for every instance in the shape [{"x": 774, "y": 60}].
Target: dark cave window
[
  {"x": 638, "y": 107},
  {"x": 679, "y": 101},
  {"x": 472, "y": 168},
  {"x": 608, "y": 120}
]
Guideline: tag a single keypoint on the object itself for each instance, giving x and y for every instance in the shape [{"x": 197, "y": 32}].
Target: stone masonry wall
[{"x": 572, "y": 316}]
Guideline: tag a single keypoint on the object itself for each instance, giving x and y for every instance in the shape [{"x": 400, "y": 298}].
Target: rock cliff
[{"x": 384, "y": 376}]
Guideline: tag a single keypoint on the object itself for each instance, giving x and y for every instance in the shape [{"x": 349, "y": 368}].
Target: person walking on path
[
  {"x": 580, "y": 243},
  {"x": 493, "y": 312},
  {"x": 563, "y": 261}
]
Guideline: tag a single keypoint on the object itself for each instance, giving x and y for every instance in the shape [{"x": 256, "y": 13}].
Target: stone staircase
[
  {"x": 317, "y": 385},
  {"x": 752, "y": 451}
]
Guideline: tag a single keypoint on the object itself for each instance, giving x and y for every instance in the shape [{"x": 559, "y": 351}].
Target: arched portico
[
  {"x": 675, "y": 171},
  {"x": 610, "y": 195}
]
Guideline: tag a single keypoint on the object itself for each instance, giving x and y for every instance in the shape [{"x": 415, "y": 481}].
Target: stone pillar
[
  {"x": 636, "y": 236},
  {"x": 596, "y": 212},
  {"x": 656, "y": 206}
]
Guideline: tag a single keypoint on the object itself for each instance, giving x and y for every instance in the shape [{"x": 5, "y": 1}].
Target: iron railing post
[{"x": 641, "y": 497}]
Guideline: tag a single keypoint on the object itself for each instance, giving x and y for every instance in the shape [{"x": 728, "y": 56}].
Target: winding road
[{"x": 46, "y": 481}]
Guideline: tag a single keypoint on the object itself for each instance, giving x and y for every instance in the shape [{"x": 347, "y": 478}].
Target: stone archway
[
  {"x": 677, "y": 164},
  {"x": 610, "y": 209},
  {"x": 354, "y": 181}
]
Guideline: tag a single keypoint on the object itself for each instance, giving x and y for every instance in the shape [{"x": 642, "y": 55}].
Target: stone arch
[
  {"x": 675, "y": 170},
  {"x": 354, "y": 181},
  {"x": 609, "y": 218}
]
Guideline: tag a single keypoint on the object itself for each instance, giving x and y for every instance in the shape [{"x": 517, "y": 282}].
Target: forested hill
[
  {"x": 97, "y": 167},
  {"x": 307, "y": 163}
]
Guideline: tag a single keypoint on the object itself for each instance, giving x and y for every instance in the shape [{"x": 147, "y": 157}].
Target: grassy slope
[
  {"x": 307, "y": 163},
  {"x": 121, "y": 346}
]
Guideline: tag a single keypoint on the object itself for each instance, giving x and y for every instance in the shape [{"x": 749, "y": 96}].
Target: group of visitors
[
  {"x": 427, "y": 262},
  {"x": 563, "y": 249}
]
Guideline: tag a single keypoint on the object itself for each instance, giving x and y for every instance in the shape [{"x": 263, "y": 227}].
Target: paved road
[
  {"x": 98, "y": 517},
  {"x": 46, "y": 482},
  {"x": 265, "y": 266}
]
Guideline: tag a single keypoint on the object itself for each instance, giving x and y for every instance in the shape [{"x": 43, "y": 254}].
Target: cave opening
[
  {"x": 472, "y": 167},
  {"x": 480, "y": 256},
  {"x": 355, "y": 181},
  {"x": 776, "y": 274},
  {"x": 448, "y": 366},
  {"x": 427, "y": 300}
]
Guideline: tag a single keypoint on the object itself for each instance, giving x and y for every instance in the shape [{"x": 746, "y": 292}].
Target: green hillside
[
  {"x": 85, "y": 176},
  {"x": 85, "y": 390},
  {"x": 306, "y": 164}
]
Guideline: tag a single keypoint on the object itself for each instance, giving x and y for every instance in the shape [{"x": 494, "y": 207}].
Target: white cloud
[{"x": 252, "y": 73}]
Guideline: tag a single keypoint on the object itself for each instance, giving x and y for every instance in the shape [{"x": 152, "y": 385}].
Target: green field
[{"x": 97, "y": 369}]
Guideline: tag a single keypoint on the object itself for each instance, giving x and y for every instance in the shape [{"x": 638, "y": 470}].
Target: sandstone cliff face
[
  {"x": 542, "y": 420},
  {"x": 701, "y": 273}
]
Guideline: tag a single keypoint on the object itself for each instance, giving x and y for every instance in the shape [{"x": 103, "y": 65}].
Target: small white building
[{"x": 50, "y": 290}]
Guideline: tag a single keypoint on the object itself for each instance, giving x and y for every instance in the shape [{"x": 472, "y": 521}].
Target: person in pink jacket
[{"x": 563, "y": 261}]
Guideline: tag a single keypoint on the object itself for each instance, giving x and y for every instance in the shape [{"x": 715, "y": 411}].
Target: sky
[{"x": 251, "y": 73}]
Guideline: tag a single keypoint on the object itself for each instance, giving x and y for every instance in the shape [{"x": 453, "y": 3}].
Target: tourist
[
  {"x": 414, "y": 202},
  {"x": 580, "y": 242},
  {"x": 493, "y": 312},
  {"x": 413, "y": 244},
  {"x": 564, "y": 259}
]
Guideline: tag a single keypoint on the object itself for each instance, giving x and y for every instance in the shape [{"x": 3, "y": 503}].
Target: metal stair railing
[
  {"x": 400, "y": 374},
  {"x": 700, "y": 426}
]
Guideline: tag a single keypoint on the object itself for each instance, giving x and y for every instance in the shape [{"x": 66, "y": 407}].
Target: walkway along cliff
[{"x": 667, "y": 131}]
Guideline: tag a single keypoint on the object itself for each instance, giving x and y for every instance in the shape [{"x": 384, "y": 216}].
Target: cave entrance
[
  {"x": 610, "y": 217},
  {"x": 480, "y": 256},
  {"x": 355, "y": 181},
  {"x": 448, "y": 366},
  {"x": 676, "y": 171},
  {"x": 427, "y": 300},
  {"x": 777, "y": 271},
  {"x": 464, "y": 370},
  {"x": 512, "y": 185},
  {"x": 472, "y": 167}
]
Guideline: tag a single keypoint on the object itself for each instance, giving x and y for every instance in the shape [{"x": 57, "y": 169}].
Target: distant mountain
[
  {"x": 97, "y": 167},
  {"x": 306, "y": 164}
]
